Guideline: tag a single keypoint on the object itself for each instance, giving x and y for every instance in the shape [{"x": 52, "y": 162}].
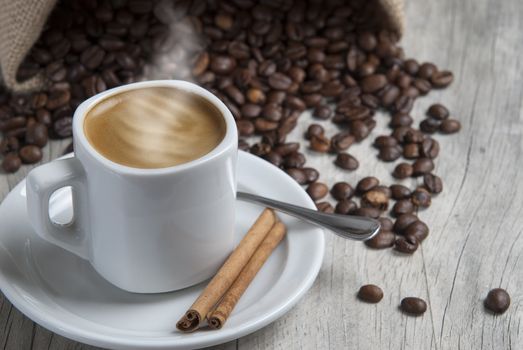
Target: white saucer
[{"x": 64, "y": 294}]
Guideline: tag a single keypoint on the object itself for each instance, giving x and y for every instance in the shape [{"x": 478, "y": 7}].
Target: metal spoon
[{"x": 355, "y": 227}]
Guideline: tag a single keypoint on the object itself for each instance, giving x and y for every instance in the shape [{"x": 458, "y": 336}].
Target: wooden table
[{"x": 476, "y": 239}]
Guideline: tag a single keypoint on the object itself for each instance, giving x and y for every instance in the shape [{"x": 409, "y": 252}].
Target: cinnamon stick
[
  {"x": 229, "y": 271},
  {"x": 219, "y": 315}
]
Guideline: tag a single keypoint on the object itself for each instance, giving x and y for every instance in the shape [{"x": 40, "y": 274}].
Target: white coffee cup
[{"x": 143, "y": 230}]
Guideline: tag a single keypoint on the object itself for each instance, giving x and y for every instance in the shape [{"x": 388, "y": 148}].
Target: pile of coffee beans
[{"x": 268, "y": 61}]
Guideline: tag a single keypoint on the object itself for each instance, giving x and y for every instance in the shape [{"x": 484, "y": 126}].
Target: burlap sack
[{"x": 21, "y": 22}]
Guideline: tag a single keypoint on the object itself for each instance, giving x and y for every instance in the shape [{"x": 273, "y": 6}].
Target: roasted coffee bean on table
[
  {"x": 413, "y": 306},
  {"x": 497, "y": 301},
  {"x": 268, "y": 62},
  {"x": 370, "y": 293}
]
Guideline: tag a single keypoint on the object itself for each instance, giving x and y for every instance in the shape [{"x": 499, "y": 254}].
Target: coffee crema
[{"x": 154, "y": 127}]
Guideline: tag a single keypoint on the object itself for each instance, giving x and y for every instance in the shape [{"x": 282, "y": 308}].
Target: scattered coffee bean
[
  {"x": 418, "y": 229},
  {"x": 442, "y": 79},
  {"x": 449, "y": 126},
  {"x": 375, "y": 199},
  {"x": 325, "y": 207},
  {"x": 11, "y": 162},
  {"x": 346, "y": 161},
  {"x": 320, "y": 143},
  {"x": 403, "y": 221},
  {"x": 429, "y": 148},
  {"x": 497, "y": 301},
  {"x": 370, "y": 293},
  {"x": 297, "y": 174},
  {"x": 421, "y": 198},
  {"x": 429, "y": 125},
  {"x": 422, "y": 166},
  {"x": 342, "y": 190},
  {"x": 390, "y": 153},
  {"x": 342, "y": 141},
  {"x": 433, "y": 183},
  {"x": 403, "y": 206},
  {"x": 311, "y": 174},
  {"x": 345, "y": 206},
  {"x": 399, "y": 192},
  {"x": 366, "y": 184},
  {"x": 317, "y": 190},
  {"x": 30, "y": 154},
  {"x": 386, "y": 224},
  {"x": 414, "y": 306},
  {"x": 407, "y": 244},
  {"x": 384, "y": 239},
  {"x": 402, "y": 171},
  {"x": 438, "y": 111},
  {"x": 314, "y": 130}
]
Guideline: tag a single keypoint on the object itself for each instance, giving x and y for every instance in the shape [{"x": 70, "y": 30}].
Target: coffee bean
[
  {"x": 497, "y": 300},
  {"x": 320, "y": 143},
  {"x": 63, "y": 127},
  {"x": 56, "y": 71},
  {"x": 403, "y": 206},
  {"x": 429, "y": 125},
  {"x": 367, "y": 41},
  {"x": 449, "y": 126},
  {"x": 256, "y": 96},
  {"x": 294, "y": 160},
  {"x": 9, "y": 144},
  {"x": 366, "y": 184},
  {"x": 403, "y": 104},
  {"x": 317, "y": 190},
  {"x": 373, "y": 83},
  {"x": 413, "y": 136},
  {"x": 423, "y": 86},
  {"x": 422, "y": 166},
  {"x": 342, "y": 190},
  {"x": 325, "y": 207},
  {"x": 273, "y": 158},
  {"x": 433, "y": 183},
  {"x": 375, "y": 199},
  {"x": 311, "y": 174},
  {"x": 346, "y": 161},
  {"x": 297, "y": 174},
  {"x": 342, "y": 141},
  {"x": 400, "y": 119},
  {"x": 400, "y": 133},
  {"x": 11, "y": 163},
  {"x": 407, "y": 244},
  {"x": 370, "y": 293},
  {"x": 368, "y": 212},
  {"x": 442, "y": 79},
  {"x": 43, "y": 116},
  {"x": 92, "y": 57},
  {"x": 222, "y": 64},
  {"x": 58, "y": 98},
  {"x": 411, "y": 151},
  {"x": 30, "y": 154},
  {"x": 314, "y": 130},
  {"x": 36, "y": 134},
  {"x": 13, "y": 123},
  {"x": 429, "y": 148},
  {"x": 322, "y": 112},
  {"x": 421, "y": 198},
  {"x": 414, "y": 306},
  {"x": 245, "y": 127},
  {"x": 438, "y": 111},
  {"x": 345, "y": 206},
  {"x": 389, "y": 153},
  {"x": 260, "y": 149},
  {"x": 279, "y": 81},
  {"x": 287, "y": 148},
  {"x": 427, "y": 70},
  {"x": 39, "y": 100},
  {"x": 399, "y": 192},
  {"x": 386, "y": 224},
  {"x": 418, "y": 229},
  {"x": 384, "y": 239},
  {"x": 402, "y": 171},
  {"x": 403, "y": 221},
  {"x": 385, "y": 141},
  {"x": 359, "y": 130}
]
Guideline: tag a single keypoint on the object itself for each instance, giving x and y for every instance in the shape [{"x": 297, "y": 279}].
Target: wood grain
[{"x": 476, "y": 239}]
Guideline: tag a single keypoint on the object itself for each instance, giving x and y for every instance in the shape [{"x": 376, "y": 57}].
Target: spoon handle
[{"x": 347, "y": 226}]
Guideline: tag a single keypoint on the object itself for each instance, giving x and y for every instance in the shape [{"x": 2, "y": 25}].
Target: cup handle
[{"x": 40, "y": 185}]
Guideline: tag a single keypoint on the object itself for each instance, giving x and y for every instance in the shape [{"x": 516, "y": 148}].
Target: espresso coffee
[{"x": 155, "y": 127}]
